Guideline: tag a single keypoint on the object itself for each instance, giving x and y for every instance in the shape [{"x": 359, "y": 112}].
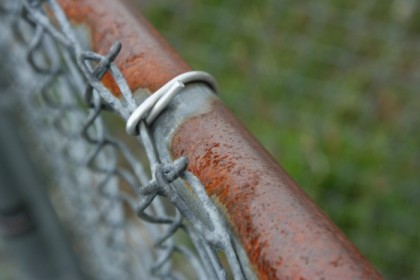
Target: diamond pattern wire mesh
[{"x": 100, "y": 184}]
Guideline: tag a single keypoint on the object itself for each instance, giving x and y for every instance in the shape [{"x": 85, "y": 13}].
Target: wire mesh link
[{"x": 101, "y": 181}]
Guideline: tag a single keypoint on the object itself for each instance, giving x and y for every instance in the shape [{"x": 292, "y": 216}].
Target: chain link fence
[
  {"x": 99, "y": 183},
  {"x": 331, "y": 89}
]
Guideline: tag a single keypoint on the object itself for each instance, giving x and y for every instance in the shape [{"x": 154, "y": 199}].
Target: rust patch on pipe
[
  {"x": 146, "y": 59},
  {"x": 285, "y": 235}
]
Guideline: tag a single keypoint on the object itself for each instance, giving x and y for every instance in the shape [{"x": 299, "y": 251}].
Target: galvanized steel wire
[{"x": 99, "y": 176}]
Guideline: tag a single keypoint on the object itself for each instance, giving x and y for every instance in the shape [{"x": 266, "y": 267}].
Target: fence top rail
[{"x": 280, "y": 230}]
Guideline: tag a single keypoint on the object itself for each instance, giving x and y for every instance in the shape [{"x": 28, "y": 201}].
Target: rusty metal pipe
[
  {"x": 284, "y": 234},
  {"x": 146, "y": 59}
]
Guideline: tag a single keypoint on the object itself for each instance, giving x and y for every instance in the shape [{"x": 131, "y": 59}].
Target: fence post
[{"x": 28, "y": 224}]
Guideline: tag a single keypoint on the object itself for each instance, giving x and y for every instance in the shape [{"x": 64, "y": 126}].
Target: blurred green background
[{"x": 331, "y": 90}]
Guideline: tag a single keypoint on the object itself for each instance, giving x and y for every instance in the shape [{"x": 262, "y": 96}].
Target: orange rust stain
[
  {"x": 284, "y": 234},
  {"x": 110, "y": 83},
  {"x": 145, "y": 60}
]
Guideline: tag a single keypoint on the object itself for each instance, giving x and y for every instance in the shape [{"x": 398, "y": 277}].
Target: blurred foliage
[{"x": 331, "y": 90}]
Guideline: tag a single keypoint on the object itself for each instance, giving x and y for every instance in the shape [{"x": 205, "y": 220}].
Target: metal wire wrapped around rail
[{"x": 105, "y": 176}]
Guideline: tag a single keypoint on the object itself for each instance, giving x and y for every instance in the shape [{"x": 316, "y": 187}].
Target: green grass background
[{"x": 331, "y": 89}]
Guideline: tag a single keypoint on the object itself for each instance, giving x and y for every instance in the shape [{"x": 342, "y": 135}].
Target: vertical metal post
[{"x": 28, "y": 223}]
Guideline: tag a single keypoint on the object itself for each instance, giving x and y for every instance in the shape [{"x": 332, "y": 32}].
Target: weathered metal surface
[
  {"x": 284, "y": 234},
  {"x": 146, "y": 59}
]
